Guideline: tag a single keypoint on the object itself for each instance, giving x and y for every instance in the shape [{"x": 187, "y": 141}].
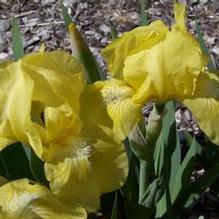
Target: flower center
[
  {"x": 84, "y": 151},
  {"x": 113, "y": 93}
]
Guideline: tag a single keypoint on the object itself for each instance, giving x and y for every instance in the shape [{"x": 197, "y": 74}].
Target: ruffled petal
[
  {"x": 163, "y": 73},
  {"x": 204, "y": 104},
  {"x": 132, "y": 42},
  {"x": 121, "y": 108},
  {"x": 57, "y": 77},
  {"x": 26, "y": 199}
]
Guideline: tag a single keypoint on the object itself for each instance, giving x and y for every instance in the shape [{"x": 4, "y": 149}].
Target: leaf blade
[{"x": 17, "y": 45}]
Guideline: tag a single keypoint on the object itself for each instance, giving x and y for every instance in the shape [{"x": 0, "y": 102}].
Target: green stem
[{"x": 143, "y": 179}]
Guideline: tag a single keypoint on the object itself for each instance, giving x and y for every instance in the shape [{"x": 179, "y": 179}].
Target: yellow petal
[
  {"x": 57, "y": 75},
  {"x": 92, "y": 101},
  {"x": 179, "y": 12},
  {"x": 73, "y": 181},
  {"x": 163, "y": 73},
  {"x": 83, "y": 169},
  {"x": 110, "y": 163},
  {"x": 19, "y": 102},
  {"x": 18, "y": 107},
  {"x": 60, "y": 122},
  {"x": 7, "y": 82},
  {"x": 120, "y": 107},
  {"x": 26, "y": 199},
  {"x": 205, "y": 105},
  {"x": 131, "y": 42}
]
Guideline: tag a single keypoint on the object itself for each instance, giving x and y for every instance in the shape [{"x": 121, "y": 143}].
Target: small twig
[
  {"x": 42, "y": 24},
  {"x": 24, "y": 14}
]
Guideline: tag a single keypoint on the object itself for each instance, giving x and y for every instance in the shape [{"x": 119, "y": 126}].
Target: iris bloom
[
  {"x": 25, "y": 199},
  {"x": 46, "y": 104},
  {"x": 153, "y": 63}
]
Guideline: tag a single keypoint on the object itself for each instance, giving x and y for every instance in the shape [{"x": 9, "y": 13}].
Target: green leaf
[
  {"x": 130, "y": 189},
  {"x": 81, "y": 51},
  {"x": 114, "y": 214},
  {"x": 17, "y": 45},
  {"x": 16, "y": 162},
  {"x": 153, "y": 194},
  {"x": 184, "y": 172},
  {"x": 166, "y": 140},
  {"x": 167, "y": 159},
  {"x": 204, "y": 48},
  {"x": 137, "y": 144},
  {"x": 143, "y": 13}
]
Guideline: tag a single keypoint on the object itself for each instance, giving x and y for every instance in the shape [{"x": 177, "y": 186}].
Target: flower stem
[
  {"x": 152, "y": 132},
  {"x": 143, "y": 179}
]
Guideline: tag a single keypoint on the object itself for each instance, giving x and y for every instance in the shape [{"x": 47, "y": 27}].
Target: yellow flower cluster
[{"x": 77, "y": 129}]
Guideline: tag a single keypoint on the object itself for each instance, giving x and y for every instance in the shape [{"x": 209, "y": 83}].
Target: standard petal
[
  {"x": 179, "y": 13},
  {"x": 163, "y": 73},
  {"x": 132, "y": 42},
  {"x": 204, "y": 104},
  {"x": 26, "y": 199},
  {"x": 57, "y": 77},
  {"x": 93, "y": 108},
  {"x": 121, "y": 108}
]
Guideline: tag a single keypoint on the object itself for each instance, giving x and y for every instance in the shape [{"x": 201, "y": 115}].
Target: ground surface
[{"x": 41, "y": 21}]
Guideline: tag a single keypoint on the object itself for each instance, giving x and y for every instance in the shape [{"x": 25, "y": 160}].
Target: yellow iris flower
[
  {"x": 49, "y": 107},
  {"x": 25, "y": 199},
  {"x": 153, "y": 63}
]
